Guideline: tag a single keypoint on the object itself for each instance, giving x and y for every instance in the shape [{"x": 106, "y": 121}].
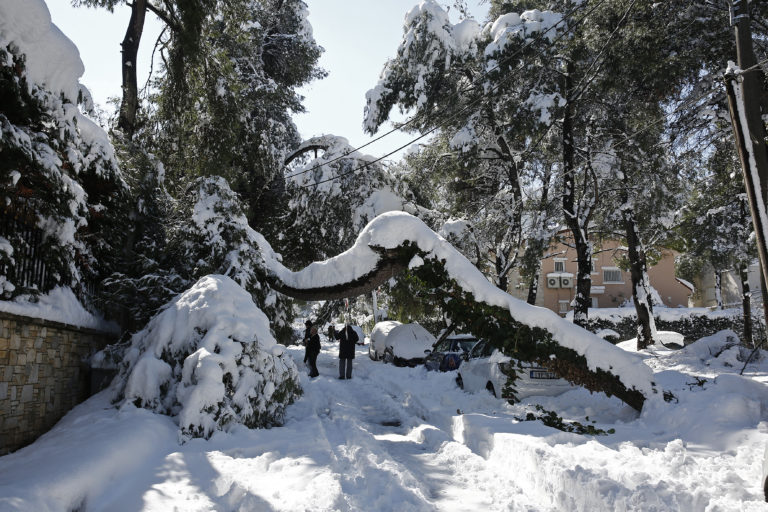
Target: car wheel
[
  {"x": 460, "y": 382},
  {"x": 491, "y": 389}
]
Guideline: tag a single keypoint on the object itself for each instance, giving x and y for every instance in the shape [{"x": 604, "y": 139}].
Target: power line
[
  {"x": 679, "y": 108},
  {"x": 456, "y": 113},
  {"x": 456, "y": 95}
]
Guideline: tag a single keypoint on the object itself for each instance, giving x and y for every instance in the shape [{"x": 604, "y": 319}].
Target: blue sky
[{"x": 358, "y": 37}]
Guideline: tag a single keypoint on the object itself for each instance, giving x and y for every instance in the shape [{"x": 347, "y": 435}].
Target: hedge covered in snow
[
  {"x": 209, "y": 360},
  {"x": 692, "y": 323}
]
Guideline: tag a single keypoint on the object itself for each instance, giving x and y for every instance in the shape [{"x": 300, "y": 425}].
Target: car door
[{"x": 475, "y": 372}]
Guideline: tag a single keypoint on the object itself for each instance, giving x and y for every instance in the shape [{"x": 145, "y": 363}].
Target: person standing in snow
[
  {"x": 313, "y": 349},
  {"x": 347, "y": 338},
  {"x": 305, "y": 339}
]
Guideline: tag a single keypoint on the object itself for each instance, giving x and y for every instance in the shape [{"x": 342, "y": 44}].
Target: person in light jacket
[{"x": 347, "y": 338}]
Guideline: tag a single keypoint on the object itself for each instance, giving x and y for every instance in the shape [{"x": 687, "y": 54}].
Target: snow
[
  {"x": 455, "y": 227},
  {"x": 379, "y": 335},
  {"x": 660, "y": 312},
  {"x": 512, "y": 27},
  {"x": 380, "y": 201},
  {"x": 409, "y": 341},
  {"x": 392, "y": 229},
  {"x": 58, "y": 305},
  {"x": 395, "y": 439},
  {"x": 685, "y": 283},
  {"x": 52, "y": 60}
]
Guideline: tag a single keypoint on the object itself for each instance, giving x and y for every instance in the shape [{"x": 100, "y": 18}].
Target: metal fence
[{"x": 18, "y": 225}]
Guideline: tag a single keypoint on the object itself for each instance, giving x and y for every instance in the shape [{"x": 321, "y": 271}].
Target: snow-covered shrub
[{"x": 209, "y": 359}]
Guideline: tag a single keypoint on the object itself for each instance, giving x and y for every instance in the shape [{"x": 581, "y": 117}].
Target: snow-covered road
[{"x": 400, "y": 439}]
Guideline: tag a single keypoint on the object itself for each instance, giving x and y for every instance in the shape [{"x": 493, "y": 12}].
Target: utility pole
[{"x": 744, "y": 88}]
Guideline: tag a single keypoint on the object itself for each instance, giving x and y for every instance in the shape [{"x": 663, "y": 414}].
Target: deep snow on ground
[{"x": 404, "y": 439}]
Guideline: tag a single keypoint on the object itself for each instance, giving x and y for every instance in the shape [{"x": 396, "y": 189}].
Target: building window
[
  {"x": 612, "y": 275},
  {"x": 564, "y": 306},
  {"x": 594, "y": 302},
  {"x": 559, "y": 265},
  {"x": 594, "y": 266}
]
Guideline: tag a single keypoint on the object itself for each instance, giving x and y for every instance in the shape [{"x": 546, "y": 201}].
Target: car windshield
[
  {"x": 443, "y": 346},
  {"x": 482, "y": 349},
  {"x": 477, "y": 348},
  {"x": 458, "y": 342},
  {"x": 467, "y": 344}
]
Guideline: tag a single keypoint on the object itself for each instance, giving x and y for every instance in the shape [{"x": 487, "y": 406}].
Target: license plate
[{"x": 543, "y": 374}]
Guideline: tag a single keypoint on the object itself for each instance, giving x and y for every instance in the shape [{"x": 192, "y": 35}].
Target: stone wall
[{"x": 43, "y": 374}]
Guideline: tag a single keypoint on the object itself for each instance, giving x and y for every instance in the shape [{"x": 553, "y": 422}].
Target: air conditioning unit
[
  {"x": 566, "y": 282},
  {"x": 553, "y": 282}
]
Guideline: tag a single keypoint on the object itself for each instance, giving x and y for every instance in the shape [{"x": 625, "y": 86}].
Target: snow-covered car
[
  {"x": 446, "y": 355},
  {"x": 407, "y": 344},
  {"x": 486, "y": 368},
  {"x": 378, "y": 338}
]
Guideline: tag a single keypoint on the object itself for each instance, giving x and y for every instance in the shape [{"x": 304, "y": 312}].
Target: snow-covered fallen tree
[
  {"x": 396, "y": 240},
  {"x": 208, "y": 359}
]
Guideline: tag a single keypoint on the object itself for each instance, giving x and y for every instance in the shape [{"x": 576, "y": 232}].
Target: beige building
[{"x": 611, "y": 286}]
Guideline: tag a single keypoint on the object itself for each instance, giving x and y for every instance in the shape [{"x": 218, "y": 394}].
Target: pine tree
[
  {"x": 228, "y": 111},
  {"x": 476, "y": 86}
]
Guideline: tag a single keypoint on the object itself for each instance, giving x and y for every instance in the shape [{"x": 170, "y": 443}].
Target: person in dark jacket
[
  {"x": 313, "y": 349},
  {"x": 305, "y": 339},
  {"x": 347, "y": 338}
]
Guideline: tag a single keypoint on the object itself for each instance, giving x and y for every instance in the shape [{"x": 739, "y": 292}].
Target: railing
[{"x": 18, "y": 225}]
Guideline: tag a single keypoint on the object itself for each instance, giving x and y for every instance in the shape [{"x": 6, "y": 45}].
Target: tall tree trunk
[
  {"x": 746, "y": 303},
  {"x": 537, "y": 246},
  {"x": 375, "y": 301},
  {"x": 533, "y": 285},
  {"x": 641, "y": 284},
  {"x": 576, "y": 223},
  {"x": 130, "y": 48},
  {"x": 509, "y": 245},
  {"x": 502, "y": 279}
]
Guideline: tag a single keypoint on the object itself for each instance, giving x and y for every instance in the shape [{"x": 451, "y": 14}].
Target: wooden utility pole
[{"x": 745, "y": 90}]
